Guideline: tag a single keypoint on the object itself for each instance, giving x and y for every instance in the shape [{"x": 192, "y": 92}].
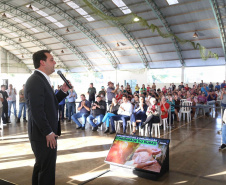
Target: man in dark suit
[
  {"x": 4, "y": 115},
  {"x": 43, "y": 125}
]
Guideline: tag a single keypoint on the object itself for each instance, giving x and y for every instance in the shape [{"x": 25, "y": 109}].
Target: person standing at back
[
  {"x": 71, "y": 103},
  {"x": 111, "y": 92},
  {"x": 137, "y": 88},
  {"x": 22, "y": 106},
  {"x": 154, "y": 86},
  {"x": 11, "y": 100},
  {"x": 5, "y": 105},
  {"x": 1, "y": 105},
  {"x": 91, "y": 92},
  {"x": 43, "y": 123}
]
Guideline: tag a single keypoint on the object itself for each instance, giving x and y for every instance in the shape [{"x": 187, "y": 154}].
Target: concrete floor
[{"x": 194, "y": 155}]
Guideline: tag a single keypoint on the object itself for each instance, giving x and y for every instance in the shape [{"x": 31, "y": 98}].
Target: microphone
[{"x": 64, "y": 79}]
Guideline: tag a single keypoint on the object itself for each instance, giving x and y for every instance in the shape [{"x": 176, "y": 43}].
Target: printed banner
[{"x": 138, "y": 152}]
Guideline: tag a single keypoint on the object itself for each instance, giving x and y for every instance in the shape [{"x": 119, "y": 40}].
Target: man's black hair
[{"x": 38, "y": 56}]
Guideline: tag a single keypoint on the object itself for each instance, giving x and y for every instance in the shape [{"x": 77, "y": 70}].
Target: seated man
[
  {"x": 97, "y": 111},
  {"x": 202, "y": 101},
  {"x": 84, "y": 108},
  {"x": 124, "y": 113},
  {"x": 211, "y": 98},
  {"x": 205, "y": 89}
]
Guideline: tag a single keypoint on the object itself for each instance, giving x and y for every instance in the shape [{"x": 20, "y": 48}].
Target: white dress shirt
[
  {"x": 128, "y": 107},
  {"x": 45, "y": 75}
]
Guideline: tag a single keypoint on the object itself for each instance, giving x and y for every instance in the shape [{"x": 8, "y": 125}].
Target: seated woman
[
  {"x": 113, "y": 109},
  {"x": 164, "y": 106},
  {"x": 153, "y": 113},
  {"x": 143, "y": 90},
  {"x": 139, "y": 113},
  {"x": 177, "y": 106}
]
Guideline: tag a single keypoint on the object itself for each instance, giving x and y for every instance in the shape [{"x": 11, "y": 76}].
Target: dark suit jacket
[{"x": 42, "y": 106}]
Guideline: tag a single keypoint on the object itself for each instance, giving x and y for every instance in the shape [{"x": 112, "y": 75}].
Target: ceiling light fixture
[
  {"x": 136, "y": 19},
  {"x": 123, "y": 44},
  {"x": 67, "y": 30},
  {"x": 195, "y": 35},
  {"x": 30, "y": 7},
  {"x": 4, "y": 15},
  {"x": 172, "y": 2}
]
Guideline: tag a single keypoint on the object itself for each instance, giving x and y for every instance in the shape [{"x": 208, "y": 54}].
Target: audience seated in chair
[
  {"x": 97, "y": 111},
  {"x": 113, "y": 110},
  {"x": 153, "y": 113},
  {"x": 84, "y": 111},
  {"x": 139, "y": 113},
  {"x": 124, "y": 113},
  {"x": 164, "y": 106}
]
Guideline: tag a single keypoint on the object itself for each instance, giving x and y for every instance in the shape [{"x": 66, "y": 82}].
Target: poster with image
[{"x": 138, "y": 152}]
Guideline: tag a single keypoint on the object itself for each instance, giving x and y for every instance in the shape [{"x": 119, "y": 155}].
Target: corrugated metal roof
[{"x": 184, "y": 19}]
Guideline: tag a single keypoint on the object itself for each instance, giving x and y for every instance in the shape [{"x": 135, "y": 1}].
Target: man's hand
[
  {"x": 51, "y": 140},
  {"x": 64, "y": 87},
  {"x": 83, "y": 103},
  {"x": 122, "y": 108}
]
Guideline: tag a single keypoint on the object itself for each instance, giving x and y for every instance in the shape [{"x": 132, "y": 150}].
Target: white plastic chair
[
  {"x": 165, "y": 123},
  {"x": 147, "y": 133},
  {"x": 181, "y": 103},
  {"x": 117, "y": 125},
  {"x": 156, "y": 128},
  {"x": 185, "y": 110}
]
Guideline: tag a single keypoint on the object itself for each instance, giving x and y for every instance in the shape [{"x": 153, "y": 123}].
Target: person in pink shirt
[
  {"x": 202, "y": 101},
  {"x": 188, "y": 96}
]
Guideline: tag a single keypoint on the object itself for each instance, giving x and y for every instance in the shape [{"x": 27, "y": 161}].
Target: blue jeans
[
  {"x": 107, "y": 118},
  {"x": 224, "y": 134},
  {"x": 67, "y": 109},
  {"x": 21, "y": 107},
  {"x": 71, "y": 109},
  {"x": 206, "y": 109},
  {"x": 139, "y": 115},
  {"x": 99, "y": 120},
  {"x": 75, "y": 117},
  {"x": 61, "y": 111},
  {"x": 10, "y": 103},
  {"x": 117, "y": 118},
  {"x": 223, "y": 105}
]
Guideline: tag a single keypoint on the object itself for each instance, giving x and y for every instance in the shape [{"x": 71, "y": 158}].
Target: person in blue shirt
[
  {"x": 223, "y": 85},
  {"x": 205, "y": 89},
  {"x": 218, "y": 87},
  {"x": 71, "y": 103},
  {"x": 84, "y": 111},
  {"x": 211, "y": 99}
]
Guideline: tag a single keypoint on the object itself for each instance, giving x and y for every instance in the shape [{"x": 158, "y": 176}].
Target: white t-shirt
[
  {"x": 218, "y": 94},
  {"x": 128, "y": 107},
  {"x": 11, "y": 94},
  {"x": 0, "y": 100}
]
